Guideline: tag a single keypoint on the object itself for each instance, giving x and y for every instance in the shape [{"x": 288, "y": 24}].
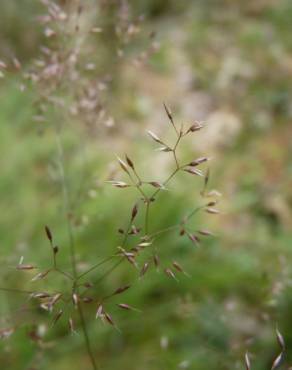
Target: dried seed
[
  {"x": 109, "y": 319},
  {"x": 156, "y": 184},
  {"x": 57, "y": 317},
  {"x": 280, "y": 339},
  {"x": 130, "y": 163},
  {"x": 155, "y": 137},
  {"x": 212, "y": 211},
  {"x": 75, "y": 299},
  {"x": 207, "y": 177},
  {"x": 182, "y": 232},
  {"x": 277, "y": 361},
  {"x": 55, "y": 298},
  {"x": 144, "y": 269},
  {"x": 192, "y": 171},
  {"x": 144, "y": 244},
  {"x": 134, "y": 212},
  {"x": 121, "y": 289},
  {"x": 198, "y": 161},
  {"x": 170, "y": 273},
  {"x": 87, "y": 299},
  {"x": 49, "y": 234},
  {"x": 247, "y": 362},
  {"x": 177, "y": 266},
  {"x": 40, "y": 275},
  {"x": 168, "y": 113},
  {"x": 205, "y": 232},
  {"x": 25, "y": 267},
  {"x": 71, "y": 325},
  {"x": 193, "y": 238},
  {"x": 156, "y": 260},
  {"x": 195, "y": 127},
  {"x": 125, "y": 306},
  {"x": 40, "y": 295},
  {"x": 119, "y": 184},
  {"x": 99, "y": 311},
  {"x": 123, "y": 165},
  {"x": 165, "y": 149}
]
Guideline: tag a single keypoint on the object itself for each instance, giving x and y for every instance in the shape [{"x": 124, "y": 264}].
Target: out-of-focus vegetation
[{"x": 227, "y": 63}]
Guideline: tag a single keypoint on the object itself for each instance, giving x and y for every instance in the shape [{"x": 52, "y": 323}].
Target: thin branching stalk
[{"x": 73, "y": 255}]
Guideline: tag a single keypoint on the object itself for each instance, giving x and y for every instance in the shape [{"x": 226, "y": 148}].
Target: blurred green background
[{"x": 226, "y": 62}]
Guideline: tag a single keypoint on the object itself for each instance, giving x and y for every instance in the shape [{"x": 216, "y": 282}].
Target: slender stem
[
  {"x": 64, "y": 273},
  {"x": 147, "y": 217},
  {"x": 72, "y": 253},
  {"x": 193, "y": 213},
  {"x": 86, "y": 337},
  {"x": 16, "y": 290},
  {"x": 67, "y": 205},
  {"x": 110, "y": 270},
  {"x": 95, "y": 266},
  {"x": 159, "y": 232}
]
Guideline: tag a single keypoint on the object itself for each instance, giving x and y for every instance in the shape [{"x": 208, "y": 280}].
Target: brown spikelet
[
  {"x": 55, "y": 298},
  {"x": 25, "y": 267},
  {"x": 49, "y": 234},
  {"x": 193, "y": 238},
  {"x": 170, "y": 273},
  {"x": 124, "y": 306},
  {"x": 40, "y": 275},
  {"x": 144, "y": 269},
  {"x": 123, "y": 165},
  {"x": 57, "y": 317},
  {"x": 156, "y": 260},
  {"x": 205, "y": 232},
  {"x": 168, "y": 112},
  {"x": 198, "y": 161},
  {"x": 195, "y": 127},
  {"x": 109, "y": 319},
  {"x": 177, "y": 266},
  {"x": 134, "y": 212},
  {"x": 182, "y": 232},
  {"x": 40, "y": 295},
  {"x": 130, "y": 162},
  {"x": 207, "y": 177},
  {"x": 156, "y": 184},
  {"x": 192, "y": 171},
  {"x": 122, "y": 289}
]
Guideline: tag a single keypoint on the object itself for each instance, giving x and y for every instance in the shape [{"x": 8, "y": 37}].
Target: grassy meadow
[{"x": 226, "y": 63}]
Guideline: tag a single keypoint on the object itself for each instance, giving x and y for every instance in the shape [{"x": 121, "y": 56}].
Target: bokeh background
[{"x": 227, "y": 63}]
